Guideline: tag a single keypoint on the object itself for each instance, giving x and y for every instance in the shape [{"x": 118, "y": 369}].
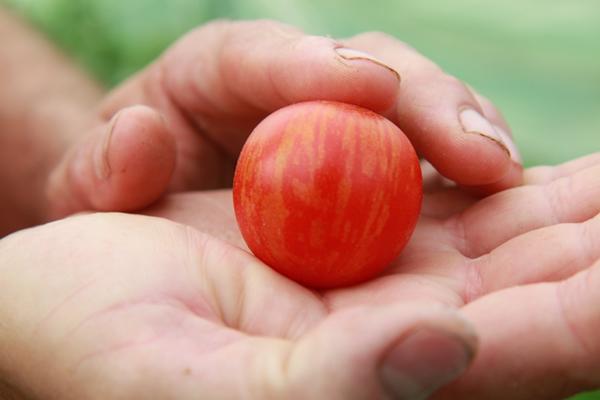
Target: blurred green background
[{"x": 538, "y": 60}]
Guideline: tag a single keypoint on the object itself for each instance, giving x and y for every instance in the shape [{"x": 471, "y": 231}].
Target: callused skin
[{"x": 327, "y": 193}]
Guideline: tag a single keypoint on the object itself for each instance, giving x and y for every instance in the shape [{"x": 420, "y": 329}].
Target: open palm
[
  {"x": 123, "y": 306},
  {"x": 117, "y": 306},
  {"x": 470, "y": 254}
]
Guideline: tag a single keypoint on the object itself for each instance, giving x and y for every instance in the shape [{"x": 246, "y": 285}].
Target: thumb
[
  {"x": 123, "y": 165},
  {"x": 399, "y": 352},
  {"x": 388, "y": 352}
]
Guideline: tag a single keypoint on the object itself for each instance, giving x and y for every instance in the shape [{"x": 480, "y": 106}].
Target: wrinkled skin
[
  {"x": 179, "y": 124},
  {"x": 123, "y": 306},
  {"x": 522, "y": 265}
]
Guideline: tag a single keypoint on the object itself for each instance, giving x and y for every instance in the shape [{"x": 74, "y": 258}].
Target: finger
[
  {"x": 499, "y": 123},
  {"x": 399, "y": 352},
  {"x": 547, "y": 174},
  {"x": 404, "y": 351},
  {"x": 229, "y": 75},
  {"x": 490, "y": 111},
  {"x": 442, "y": 119},
  {"x": 542, "y": 339},
  {"x": 432, "y": 180},
  {"x": 572, "y": 198},
  {"x": 549, "y": 254},
  {"x": 512, "y": 178},
  {"x": 123, "y": 165},
  {"x": 290, "y": 348}
]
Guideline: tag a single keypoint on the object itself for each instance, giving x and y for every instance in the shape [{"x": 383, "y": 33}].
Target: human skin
[
  {"x": 45, "y": 103},
  {"x": 147, "y": 308},
  {"x": 179, "y": 124},
  {"x": 139, "y": 305},
  {"x": 522, "y": 265},
  {"x": 219, "y": 113}
]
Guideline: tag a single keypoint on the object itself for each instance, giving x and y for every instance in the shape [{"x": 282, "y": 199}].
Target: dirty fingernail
[
  {"x": 353, "y": 54},
  {"x": 423, "y": 362},
  {"x": 515, "y": 155},
  {"x": 101, "y": 163},
  {"x": 473, "y": 122}
]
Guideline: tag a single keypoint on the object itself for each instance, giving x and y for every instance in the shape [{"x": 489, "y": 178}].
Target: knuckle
[
  {"x": 590, "y": 237},
  {"x": 556, "y": 195},
  {"x": 577, "y": 332}
]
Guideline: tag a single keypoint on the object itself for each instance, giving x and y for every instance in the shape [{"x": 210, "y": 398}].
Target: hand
[
  {"x": 116, "y": 306},
  {"x": 538, "y": 339},
  {"x": 165, "y": 294},
  {"x": 207, "y": 92},
  {"x": 523, "y": 265}
]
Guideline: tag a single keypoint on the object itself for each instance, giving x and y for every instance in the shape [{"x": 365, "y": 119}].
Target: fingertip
[
  {"x": 467, "y": 149},
  {"x": 139, "y": 161},
  {"x": 122, "y": 165},
  {"x": 375, "y": 82},
  {"x": 278, "y": 71},
  {"x": 509, "y": 142},
  {"x": 412, "y": 349},
  {"x": 351, "y": 54},
  {"x": 470, "y": 159},
  {"x": 513, "y": 177},
  {"x": 500, "y": 169},
  {"x": 423, "y": 362}
]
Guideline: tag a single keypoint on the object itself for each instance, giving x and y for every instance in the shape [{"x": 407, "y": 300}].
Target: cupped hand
[
  {"x": 179, "y": 124},
  {"x": 117, "y": 306},
  {"x": 522, "y": 265}
]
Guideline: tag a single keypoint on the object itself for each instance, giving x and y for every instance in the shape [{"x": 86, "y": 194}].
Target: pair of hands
[
  {"x": 197, "y": 104},
  {"x": 133, "y": 306}
]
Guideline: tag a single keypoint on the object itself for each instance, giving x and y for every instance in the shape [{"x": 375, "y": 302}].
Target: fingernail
[
  {"x": 101, "y": 162},
  {"x": 353, "y": 54},
  {"x": 473, "y": 122},
  {"x": 509, "y": 142},
  {"x": 422, "y": 363}
]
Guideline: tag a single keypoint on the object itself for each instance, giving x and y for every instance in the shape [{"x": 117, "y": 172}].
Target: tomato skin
[{"x": 327, "y": 193}]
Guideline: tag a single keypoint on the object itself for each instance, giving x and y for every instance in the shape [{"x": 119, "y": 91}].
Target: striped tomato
[{"x": 327, "y": 193}]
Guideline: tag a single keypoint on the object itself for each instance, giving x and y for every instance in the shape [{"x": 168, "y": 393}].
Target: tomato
[{"x": 327, "y": 193}]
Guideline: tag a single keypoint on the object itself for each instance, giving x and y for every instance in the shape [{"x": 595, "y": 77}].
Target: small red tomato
[{"x": 327, "y": 193}]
